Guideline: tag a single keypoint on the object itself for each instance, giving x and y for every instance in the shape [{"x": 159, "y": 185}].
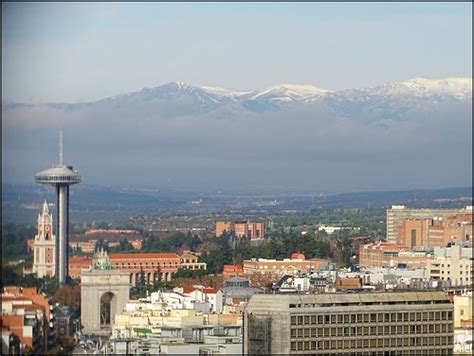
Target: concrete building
[
  {"x": 452, "y": 265},
  {"x": 463, "y": 310},
  {"x": 159, "y": 325},
  {"x": 44, "y": 250},
  {"x": 409, "y": 323},
  {"x": 398, "y": 213},
  {"x": 250, "y": 230}
]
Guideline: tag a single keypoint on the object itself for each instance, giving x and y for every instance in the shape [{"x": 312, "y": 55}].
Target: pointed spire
[
  {"x": 45, "y": 208},
  {"x": 61, "y": 147}
]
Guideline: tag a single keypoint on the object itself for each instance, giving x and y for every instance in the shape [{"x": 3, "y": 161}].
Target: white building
[
  {"x": 452, "y": 264},
  {"x": 44, "y": 245}
]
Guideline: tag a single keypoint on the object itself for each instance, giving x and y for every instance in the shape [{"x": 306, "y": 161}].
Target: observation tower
[{"x": 61, "y": 176}]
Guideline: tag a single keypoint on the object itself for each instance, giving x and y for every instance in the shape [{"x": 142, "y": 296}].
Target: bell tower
[{"x": 44, "y": 245}]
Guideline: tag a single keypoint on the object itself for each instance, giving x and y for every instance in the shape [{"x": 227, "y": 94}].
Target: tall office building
[
  {"x": 398, "y": 323},
  {"x": 398, "y": 213},
  {"x": 61, "y": 177},
  {"x": 44, "y": 249}
]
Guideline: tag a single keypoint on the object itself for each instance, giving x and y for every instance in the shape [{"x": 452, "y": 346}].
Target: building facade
[
  {"x": 436, "y": 232},
  {"x": 380, "y": 254},
  {"x": 247, "y": 229},
  {"x": 409, "y": 323},
  {"x": 398, "y": 213},
  {"x": 452, "y": 265},
  {"x": 44, "y": 250},
  {"x": 280, "y": 267},
  {"x": 155, "y": 266}
]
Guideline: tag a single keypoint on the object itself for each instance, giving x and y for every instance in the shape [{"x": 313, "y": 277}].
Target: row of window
[
  {"x": 140, "y": 264},
  {"x": 371, "y": 343},
  {"x": 371, "y": 330},
  {"x": 371, "y": 317}
]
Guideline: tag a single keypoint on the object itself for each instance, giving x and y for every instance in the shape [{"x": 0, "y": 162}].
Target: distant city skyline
[{"x": 57, "y": 52}]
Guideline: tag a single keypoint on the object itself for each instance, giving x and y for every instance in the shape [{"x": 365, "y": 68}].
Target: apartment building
[
  {"x": 250, "y": 230},
  {"x": 26, "y": 317},
  {"x": 408, "y": 323},
  {"x": 396, "y": 214},
  {"x": 452, "y": 265}
]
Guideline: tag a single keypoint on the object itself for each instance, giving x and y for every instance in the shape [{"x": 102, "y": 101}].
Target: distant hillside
[{"x": 21, "y": 203}]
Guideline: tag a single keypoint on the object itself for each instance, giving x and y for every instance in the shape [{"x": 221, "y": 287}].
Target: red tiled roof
[
  {"x": 139, "y": 256},
  {"x": 84, "y": 260},
  {"x": 210, "y": 290},
  {"x": 187, "y": 290}
]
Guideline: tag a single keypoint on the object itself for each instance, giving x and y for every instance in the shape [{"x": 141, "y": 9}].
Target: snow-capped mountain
[{"x": 389, "y": 99}]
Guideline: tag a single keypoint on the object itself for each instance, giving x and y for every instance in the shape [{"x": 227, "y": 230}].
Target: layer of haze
[{"x": 85, "y": 51}]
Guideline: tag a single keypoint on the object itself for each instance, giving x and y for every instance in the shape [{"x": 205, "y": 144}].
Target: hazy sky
[{"x": 55, "y": 52}]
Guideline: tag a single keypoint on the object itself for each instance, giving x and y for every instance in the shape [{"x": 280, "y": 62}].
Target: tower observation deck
[{"x": 60, "y": 176}]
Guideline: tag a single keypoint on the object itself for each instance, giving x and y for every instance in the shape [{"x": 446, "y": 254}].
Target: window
[
  {"x": 293, "y": 333},
  {"x": 313, "y": 319},
  {"x": 413, "y": 237},
  {"x": 293, "y": 320}
]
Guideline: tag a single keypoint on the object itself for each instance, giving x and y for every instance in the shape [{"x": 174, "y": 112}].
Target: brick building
[
  {"x": 388, "y": 254},
  {"x": 230, "y": 271},
  {"x": 166, "y": 264},
  {"x": 398, "y": 213},
  {"x": 247, "y": 229},
  {"x": 435, "y": 232},
  {"x": 278, "y": 268}
]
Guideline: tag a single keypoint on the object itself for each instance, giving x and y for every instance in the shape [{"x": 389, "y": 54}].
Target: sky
[
  {"x": 82, "y": 52},
  {"x": 76, "y": 52}
]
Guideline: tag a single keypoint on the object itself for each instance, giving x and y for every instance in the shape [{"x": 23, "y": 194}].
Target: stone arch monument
[{"x": 101, "y": 280}]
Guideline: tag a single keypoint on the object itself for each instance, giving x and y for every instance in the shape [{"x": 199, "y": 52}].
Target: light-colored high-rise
[{"x": 401, "y": 323}]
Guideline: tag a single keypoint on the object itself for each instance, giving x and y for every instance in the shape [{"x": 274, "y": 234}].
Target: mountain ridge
[{"x": 455, "y": 87}]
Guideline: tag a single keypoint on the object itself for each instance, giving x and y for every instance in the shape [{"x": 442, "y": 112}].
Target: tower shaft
[{"x": 62, "y": 222}]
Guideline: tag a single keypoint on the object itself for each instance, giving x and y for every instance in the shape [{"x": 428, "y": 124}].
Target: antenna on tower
[{"x": 61, "y": 147}]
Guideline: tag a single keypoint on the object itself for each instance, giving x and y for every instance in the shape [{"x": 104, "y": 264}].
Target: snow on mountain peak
[
  {"x": 224, "y": 92},
  {"x": 289, "y": 92},
  {"x": 455, "y": 87}
]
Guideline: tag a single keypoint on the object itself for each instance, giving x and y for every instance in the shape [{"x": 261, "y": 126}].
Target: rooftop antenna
[{"x": 61, "y": 147}]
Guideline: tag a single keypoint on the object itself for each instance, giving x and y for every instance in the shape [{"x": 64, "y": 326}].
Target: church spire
[{"x": 45, "y": 208}]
